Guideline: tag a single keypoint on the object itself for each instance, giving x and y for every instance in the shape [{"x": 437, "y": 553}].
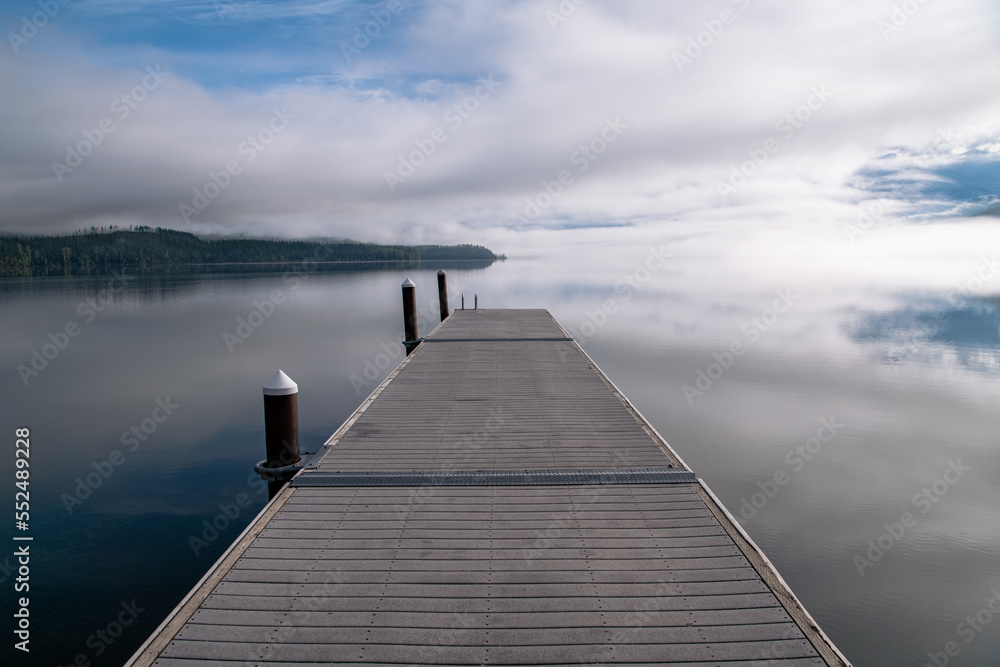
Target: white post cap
[
  {"x": 280, "y": 385},
  {"x": 408, "y": 283},
  {"x": 441, "y": 272}
]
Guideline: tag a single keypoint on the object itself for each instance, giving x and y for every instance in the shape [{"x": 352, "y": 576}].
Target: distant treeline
[
  {"x": 451, "y": 253},
  {"x": 107, "y": 250}
]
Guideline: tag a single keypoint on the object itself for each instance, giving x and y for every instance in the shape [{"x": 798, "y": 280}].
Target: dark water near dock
[{"x": 852, "y": 427}]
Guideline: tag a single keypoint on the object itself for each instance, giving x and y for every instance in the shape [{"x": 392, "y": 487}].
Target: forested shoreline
[{"x": 149, "y": 249}]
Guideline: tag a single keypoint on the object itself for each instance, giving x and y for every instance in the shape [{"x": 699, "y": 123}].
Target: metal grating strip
[
  {"x": 496, "y": 478},
  {"x": 560, "y": 339}
]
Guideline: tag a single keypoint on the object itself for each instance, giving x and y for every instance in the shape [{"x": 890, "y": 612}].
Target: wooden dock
[{"x": 496, "y": 501}]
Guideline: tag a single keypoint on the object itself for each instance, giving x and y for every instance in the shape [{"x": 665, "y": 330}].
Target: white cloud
[{"x": 325, "y": 174}]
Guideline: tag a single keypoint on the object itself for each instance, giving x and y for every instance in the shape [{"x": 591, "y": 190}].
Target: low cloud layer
[{"x": 510, "y": 123}]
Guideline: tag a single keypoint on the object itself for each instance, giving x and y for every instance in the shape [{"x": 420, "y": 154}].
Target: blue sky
[
  {"x": 251, "y": 45},
  {"x": 517, "y": 123}
]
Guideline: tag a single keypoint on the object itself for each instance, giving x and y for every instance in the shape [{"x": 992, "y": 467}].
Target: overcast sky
[{"x": 509, "y": 123}]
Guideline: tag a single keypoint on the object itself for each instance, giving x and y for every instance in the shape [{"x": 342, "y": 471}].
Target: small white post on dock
[
  {"x": 412, "y": 338},
  {"x": 443, "y": 293},
  {"x": 281, "y": 429}
]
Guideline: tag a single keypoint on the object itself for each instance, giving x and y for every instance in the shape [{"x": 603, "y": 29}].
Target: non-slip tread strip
[
  {"x": 562, "y": 339},
  {"x": 496, "y": 478}
]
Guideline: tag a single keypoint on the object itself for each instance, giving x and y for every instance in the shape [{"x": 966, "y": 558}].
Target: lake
[{"x": 850, "y": 423}]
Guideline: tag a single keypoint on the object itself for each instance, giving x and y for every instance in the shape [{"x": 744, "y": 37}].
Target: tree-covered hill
[
  {"x": 450, "y": 253},
  {"x": 154, "y": 249}
]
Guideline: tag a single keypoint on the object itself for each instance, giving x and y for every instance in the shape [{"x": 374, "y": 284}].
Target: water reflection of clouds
[{"x": 935, "y": 334}]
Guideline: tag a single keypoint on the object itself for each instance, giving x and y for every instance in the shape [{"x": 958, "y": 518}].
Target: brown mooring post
[
  {"x": 443, "y": 293},
  {"x": 281, "y": 429},
  {"x": 475, "y": 305},
  {"x": 412, "y": 338}
]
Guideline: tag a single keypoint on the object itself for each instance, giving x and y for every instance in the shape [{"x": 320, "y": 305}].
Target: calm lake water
[{"x": 874, "y": 400}]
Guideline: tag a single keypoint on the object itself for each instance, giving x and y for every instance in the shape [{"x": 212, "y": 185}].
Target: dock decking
[{"x": 496, "y": 501}]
